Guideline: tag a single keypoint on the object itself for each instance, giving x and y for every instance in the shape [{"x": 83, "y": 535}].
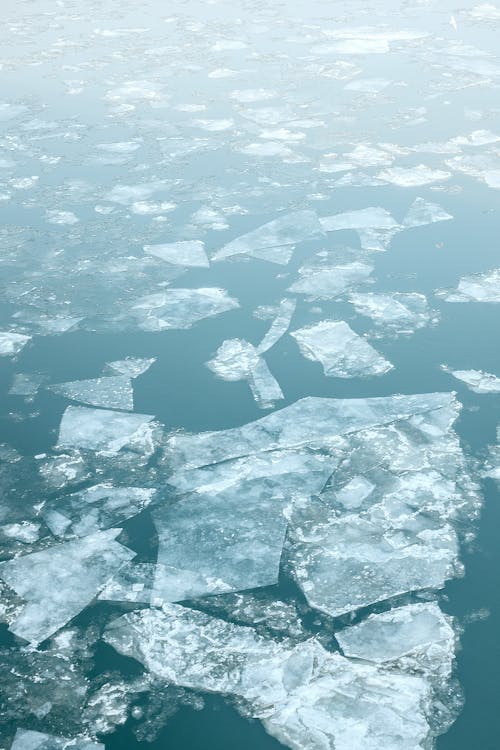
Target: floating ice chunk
[
  {"x": 101, "y": 429},
  {"x": 126, "y": 195},
  {"x": 354, "y": 493},
  {"x": 131, "y": 366},
  {"x": 214, "y": 126},
  {"x": 112, "y": 392},
  {"x": 26, "y": 384},
  {"x": 99, "y": 507},
  {"x": 189, "y": 253},
  {"x": 181, "y": 308},
  {"x": 365, "y": 218},
  {"x": 215, "y": 543},
  {"x": 415, "y": 638},
  {"x": 58, "y": 582},
  {"x": 274, "y": 241},
  {"x": 481, "y": 287},
  {"x": 304, "y": 695},
  {"x": 265, "y": 388},
  {"x": 248, "y": 96},
  {"x": 342, "y": 353},
  {"x": 398, "y": 312},
  {"x": 62, "y": 217},
  {"x": 413, "y": 176},
  {"x": 228, "y": 45},
  {"x": 368, "y": 85},
  {"x": 26, "y": 739},
  {"x": 12, "y": 343},
  {"x": 476, "y": 380},
  {"x": 309, "y": 422},
  {"x": 133, "y": 582},
  {"x": 329, "y": 282},
  {"x": 279, "y": 326},
  {"x": 234, "y": 360},
  {"x": 423, "y": 212}
]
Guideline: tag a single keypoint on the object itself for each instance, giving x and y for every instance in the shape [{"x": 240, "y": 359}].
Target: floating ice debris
[
  {"x": 103, "y": 430},
  {"x": 131, "y": 366},
  {"x": 415, "y": 638},
  {"x": 26, "y": 739},
  {"x": 413, "y": 176},
  {"x": 58, "y": 582},
  {"x": 476, "y": 380},
  {"x": 483, "y": 12},
  {"x": 265, "y": 388},
  {"x": 181, "y": 308},
  {"x": 401, "y": 313},
  {"x": 365, "y": 218},
  {"x": 353, "y": 494},
  {"x": 26, "y": 384},
  {"x": 423, "y": 212},
  {"x": 275, "y": 240},
  {"x": 12, "y": 343},
  {"x": 189, "y": 253},
  {"x": 481, "y": 287},
  {"x": 133, "y": 582},
  {"x": 62, "y": 217},
  {"x": 342, "y": 353},
  {"x": 99, "y": 507},
  {"x": 368, "y": 85},
  {"x": 328, "y": 282},
  {"x": 304, "y": 695},
  {"x": 279, "y": 325},
  {"x": 112, "y": 392}
]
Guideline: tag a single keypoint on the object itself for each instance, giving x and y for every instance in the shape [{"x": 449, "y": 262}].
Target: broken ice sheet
[
  {"x": 189, "y": 253},
  {"x": 399, "y": 313},
  {"x": 481, "y": 287},
  {"x": 101, "y": 506},
  {"x": 131, "y": 366},
  {"x": 26, "y": 739},
  {"x": 341, "y": 352},
  {"x": 12, "y": 343},
  {"x": 111, "y": 392},
  {"x": 320, "y": 281},
  {"x": 133, "y": 582},
  {"x": 26, "y": 384},
  {"x": 415, "y": 638},
  {"x": 60, "y": 581},
  {"x": 104, "y": 430},
  {"x": 413, "y": 176},
  {"x": 476, "y": 380},
  {"x": 304, "y": 695},
  {"x": 181, "y": 308},
  {"x": 275, "y": 240},
  {"x": 423, "y": 212},
  {"x": 375, "y": 226}
]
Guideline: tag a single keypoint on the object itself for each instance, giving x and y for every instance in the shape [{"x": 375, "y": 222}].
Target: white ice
[
  {"x": 423, "y": 212},
  {"x": 476, "y": 380},
  {"x": 189, "y": 253},
  {"x": 329, "y": 282},
  {"x": 413, "y": 176},
  {"x": 101, "y": 429},
  {"x": 112, "y": 392},
  {"x": 481, "y": 287},
  {"x": 341, "y": 352},
  {"x": 27, "y": 739},
  {"x": 181, "y": 308},
  {"x": 12, "y": 343},
  {"x": 131, "y": 366},
  {"x": 399, "y": 313}
]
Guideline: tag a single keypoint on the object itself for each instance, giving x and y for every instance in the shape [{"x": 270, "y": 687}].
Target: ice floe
[
  {"x": 481, "y": 287},
  {"x": 180, "y": 308},
  {"x": 476, "y": 380},
  {"x": 103, "y": 430},
  {"x": 413, "y": 176},
  {"x": 341, "y": 352},
  {"x": 27, "y": 739},
  {"x": 399, "y": 313},
  {"x": 320, "y": 281},
  {"x": 113, "y": 392},
  {"x": 189, "y": 253},
  {"x": 423, "y": 212},
  {"x": 131, "y": 366},
  {"x": 12, "y": 343}
]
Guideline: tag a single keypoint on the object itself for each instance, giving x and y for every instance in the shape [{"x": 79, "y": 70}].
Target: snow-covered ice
[{"x": 476, "y": 380}]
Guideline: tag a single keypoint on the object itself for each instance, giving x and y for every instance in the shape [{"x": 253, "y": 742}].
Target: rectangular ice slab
[
  {"x": 341, "y": 352},
  {"x": 189, "y": 253},
  {"x": 113, "y": 392},
  {"x": 274, "y": 241},
  {"x": 60, "y": 581},
  {"x": 305, "y": 696},
  {"x": 101, "y": 429},
  {"x": 26, "y": 739}
]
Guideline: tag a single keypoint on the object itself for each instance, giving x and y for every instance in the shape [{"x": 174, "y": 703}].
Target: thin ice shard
[
  {"x": 304, "y": 695},
  {"x": 274, "y": 241},
  {"x": 101, "y": 429},
  {"x": 189, "y": 253},
  {"x": 422, "y": 212},
  {"x": 26, "y": 739},
  {"x": 58, "y": 582},
  {"x": 279, "y": 326},
  {"x": 476, "y": 380},
  {"x": 111, "y": 392},
  {"x": 341, "y": 352}
]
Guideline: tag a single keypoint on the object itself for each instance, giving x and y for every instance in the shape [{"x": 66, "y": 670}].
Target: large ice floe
[{"x": 341, "y": 351}]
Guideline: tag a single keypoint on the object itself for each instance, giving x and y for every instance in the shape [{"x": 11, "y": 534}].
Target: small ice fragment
[
  {"x": 423, "y": 212},
  {"x": 364, "y": 218},
  {"x": 181, "y": 308},
  {"x": 12, "y": 343},
  {"x": 330, "y": 282},
  {"x": 274, "y": 241},
  {"x": 27, "y": 739},
  {"x": 401, "y": 313},
  {"x": 342, "y": 353},
  {"x": 481, "y": 287},
  {"x": 279, "y": 325},
  {"x": 476, "y": 380},
  {"x": 26, "y": 384},
  {"x": 101, "y": 429},
  {"x": 189, "y": 253},
  {"x": 112, "y": 392},
  {"x": 62, "y": 217},
  {"x": 413, "y": 176},
  {"x": 60, "y": 581},
  {"x": 131, "y": 366},
  {"x": 265, "y": 388},
  {"x": 368, "y": 85}
]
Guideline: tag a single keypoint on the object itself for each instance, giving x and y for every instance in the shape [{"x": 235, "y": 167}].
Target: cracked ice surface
[
  {"x": 60, "y": 581},
  {"x": 341, "y": 352},
  {"x": 304, "y": 695},
  {"x": 26, "y": 739}
]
